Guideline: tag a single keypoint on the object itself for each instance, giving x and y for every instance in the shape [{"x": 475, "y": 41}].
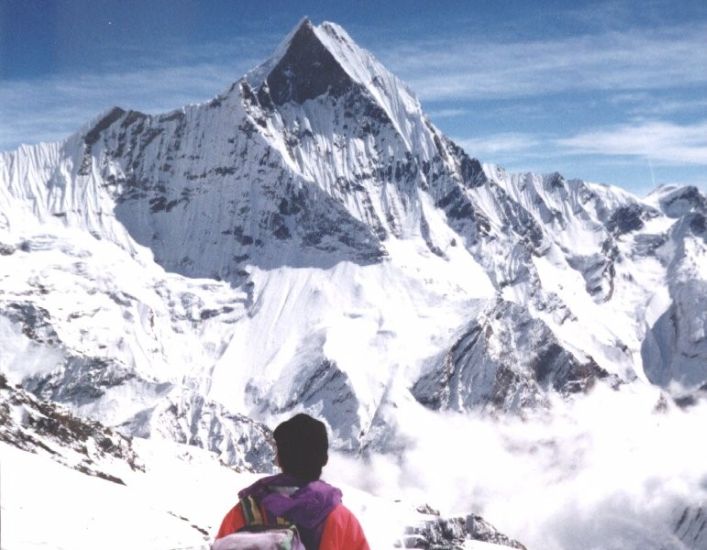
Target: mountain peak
[
  {"x": 317, "y": 60},
  {"x": 306, "y": 69}
]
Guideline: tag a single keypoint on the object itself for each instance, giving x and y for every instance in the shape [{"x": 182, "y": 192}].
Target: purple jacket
[{"x": 306, "y": 504}]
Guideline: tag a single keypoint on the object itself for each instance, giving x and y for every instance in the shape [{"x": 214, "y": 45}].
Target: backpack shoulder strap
[
  {"x": 252, "y": 514},
  {"x": 256, "y": 516}
]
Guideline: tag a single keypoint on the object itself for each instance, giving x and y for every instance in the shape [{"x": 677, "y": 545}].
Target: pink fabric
[{"x": 342, "y": 531}]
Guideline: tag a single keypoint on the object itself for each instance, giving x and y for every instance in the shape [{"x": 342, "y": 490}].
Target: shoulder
[
  {"x": 343, "y": 531},
  {"x": 232, "y": 521},
  {"x": 341, "y": 514}
]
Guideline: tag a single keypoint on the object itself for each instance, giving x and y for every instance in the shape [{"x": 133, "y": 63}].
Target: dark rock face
[
  {"x": 239, "y": 441},
  {"x": 324, "y": 387},
  {"x": 471, "y": 374},
  {"x": 645, "y": 244},
  {"x": 471, "y": 171},
  {"x": 456, "y": 205},
  {"x": 691, "y": 527},
  {"x": 77, "y": 379},
  {"x": 81, "y": 380},
  {"x": 439, "y": 533},
  {"x": 47, "y": 428},
  {"x": 675, "y": 348},
  {"x": 682, "y": 201},
  {"x": 598, "y": 271},
  {"x": 93, "y": 135},
  {"x": 34, "y": 322},
  {"x": 521, "y": 222},
  {"x": 698, "y": 225},
  {"x": 307, "y": 70},
  {"x": 323, "y": 224},
  {"x": 625, "y": 219},
  {"x": 556, "y": 181}
]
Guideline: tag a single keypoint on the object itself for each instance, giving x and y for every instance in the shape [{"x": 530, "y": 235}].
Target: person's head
[{"x": 302, "y": 447}]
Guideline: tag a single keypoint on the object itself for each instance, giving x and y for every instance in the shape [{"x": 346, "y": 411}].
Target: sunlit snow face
[{"x": 612, "y": 470}]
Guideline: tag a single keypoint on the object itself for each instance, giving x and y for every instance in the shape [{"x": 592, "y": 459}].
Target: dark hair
[{"x": 302, "y": 447}]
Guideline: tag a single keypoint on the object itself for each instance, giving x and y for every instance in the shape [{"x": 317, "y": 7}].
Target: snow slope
[{"x": 86, "y": 485}]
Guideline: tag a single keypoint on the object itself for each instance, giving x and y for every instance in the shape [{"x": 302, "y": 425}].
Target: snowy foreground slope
[
  {"x": 308, "y": 240},
  {"x": 91, "y": 486}
]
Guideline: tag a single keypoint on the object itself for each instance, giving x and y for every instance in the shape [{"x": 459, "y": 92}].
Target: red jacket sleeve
[
  {"x": 232, "y": 522},
  {"x": 342, "y": 531}
]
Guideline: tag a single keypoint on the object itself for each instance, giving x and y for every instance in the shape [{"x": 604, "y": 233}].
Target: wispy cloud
[
  {"x": 643, "y": 153},
  {"x": 490, "y": 146},
  {"x": 670, "y": 107},
  {"x": 658, "y": 141},
  {"x": 655, "y": 104},
  {"x": 447, "y": 113},
  {"x": 50, "y": 109},
  {"x": 460, "y": 68}
]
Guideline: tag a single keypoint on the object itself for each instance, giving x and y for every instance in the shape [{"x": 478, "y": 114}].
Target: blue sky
[{"x": 614, "y": 92}]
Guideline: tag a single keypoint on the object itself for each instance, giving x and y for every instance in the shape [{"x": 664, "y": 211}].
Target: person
[{"x": 298, "y": 495}]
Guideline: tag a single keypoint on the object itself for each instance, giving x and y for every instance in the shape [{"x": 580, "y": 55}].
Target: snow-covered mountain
[{"x": 309, "y": 240}]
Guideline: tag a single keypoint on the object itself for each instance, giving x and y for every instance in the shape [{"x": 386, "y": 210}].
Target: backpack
[{"x": 261, "y": 532}]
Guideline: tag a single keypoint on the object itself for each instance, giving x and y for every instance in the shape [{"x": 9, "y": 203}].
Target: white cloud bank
[{"x": 608, "y": 471}]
